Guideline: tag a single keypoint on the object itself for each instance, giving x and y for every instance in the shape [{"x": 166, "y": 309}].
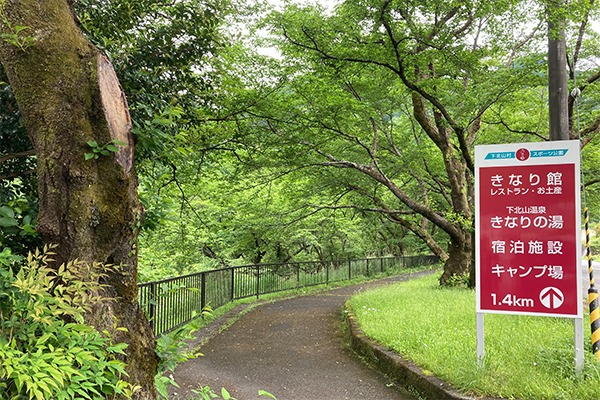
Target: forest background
[{"x": 354, "y": 140}]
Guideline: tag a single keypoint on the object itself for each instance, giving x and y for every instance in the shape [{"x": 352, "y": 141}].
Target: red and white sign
[{"x": 528, "y": 229}]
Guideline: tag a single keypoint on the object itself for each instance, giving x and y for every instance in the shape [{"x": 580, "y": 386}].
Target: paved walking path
[{"x": 294, "y": 349}]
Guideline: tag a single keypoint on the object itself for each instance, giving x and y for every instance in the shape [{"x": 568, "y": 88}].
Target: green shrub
[
  {"x": 172, "y": 349},
  {"x": 206, "y": 393},
  {"x": 17, "y": 226},
  {"x": 46, "y": 351}
]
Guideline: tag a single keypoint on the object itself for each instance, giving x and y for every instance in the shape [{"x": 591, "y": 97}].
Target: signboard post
[{"x": 528, "y": 233}]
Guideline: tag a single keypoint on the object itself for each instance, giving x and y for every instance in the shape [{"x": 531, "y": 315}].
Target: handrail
[{"x": 173, "y": 302}]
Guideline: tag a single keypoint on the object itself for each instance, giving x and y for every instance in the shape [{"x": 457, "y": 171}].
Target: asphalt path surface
[{"x": 293, "y": 349}]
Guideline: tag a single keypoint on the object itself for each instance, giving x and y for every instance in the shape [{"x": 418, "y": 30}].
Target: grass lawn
[{"x": 526, "y": 357}]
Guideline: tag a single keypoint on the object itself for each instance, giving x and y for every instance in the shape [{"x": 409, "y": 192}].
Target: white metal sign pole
[
  {"x": 480, "y": 341},
  {"x": 578, "y": 334}
]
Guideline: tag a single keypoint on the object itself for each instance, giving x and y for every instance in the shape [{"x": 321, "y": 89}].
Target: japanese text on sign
[{"x": 527, "y": 228}]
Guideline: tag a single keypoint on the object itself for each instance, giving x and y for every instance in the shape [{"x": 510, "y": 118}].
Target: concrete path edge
[{"x": 405, "y": 373}]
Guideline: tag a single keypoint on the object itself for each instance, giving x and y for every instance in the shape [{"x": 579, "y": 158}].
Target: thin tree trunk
[{"x": 558, "y": 89}]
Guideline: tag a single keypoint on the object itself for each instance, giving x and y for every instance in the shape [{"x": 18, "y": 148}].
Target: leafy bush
[
  {"x": 43, "y": 354},
  {"x": 173, "y": 349},
  {"x": 17, "y": 226}
]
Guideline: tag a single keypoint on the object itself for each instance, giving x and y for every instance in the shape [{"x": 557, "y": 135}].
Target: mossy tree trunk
[
  {"x": 68, "y": 95},
  {"x": 458, "y": 166}
]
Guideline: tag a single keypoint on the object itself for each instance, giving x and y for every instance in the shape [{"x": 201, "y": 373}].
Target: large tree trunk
[
  {"x": 68, "y": 95},
  {"x": 459, "y": 260},
  {"x": 458, "y": 263}
]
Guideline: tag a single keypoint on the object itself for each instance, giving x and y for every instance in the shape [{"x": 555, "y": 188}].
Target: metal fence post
[
  {"x": 203, "y": 291},
  {"x": 349, "y": 270},
  {"x": 297, "y": 276},
  {"x": 257, "y": 281},
  {"x": 327, "y": 273},
  {"x": 232, "y": 283},
  {"x": 152, "y": 309}
]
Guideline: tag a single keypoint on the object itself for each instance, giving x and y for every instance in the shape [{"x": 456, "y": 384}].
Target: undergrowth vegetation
[
  {"x": 526, "y": 357},
  {"x": 42, "y": 355}
]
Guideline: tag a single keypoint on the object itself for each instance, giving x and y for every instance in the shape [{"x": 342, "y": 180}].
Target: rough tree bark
[
  {"x": 68, "y": 95},
  {"x": 459, "y": 262},
  {"x": 558, "y": 89}
]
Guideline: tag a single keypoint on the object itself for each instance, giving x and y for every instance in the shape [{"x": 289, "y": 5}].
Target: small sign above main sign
[
  {"x": 528, "y": 229},
  {"x": 523, "y": 154}
]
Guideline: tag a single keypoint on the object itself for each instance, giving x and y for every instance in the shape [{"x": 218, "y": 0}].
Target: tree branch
[
  {"x": 522, "y": 43},
  {"x": 17, "y": 174},
  {"x": 505, "y": 125},
  {"x": 17, "y": 155},
  {"x": 360, "y": 208},
  {"x": 579, "y": 41},
  {"x": 437, "y": 219}
]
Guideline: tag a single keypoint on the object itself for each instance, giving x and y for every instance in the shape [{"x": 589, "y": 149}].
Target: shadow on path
[{"x": 293, "y": 348}]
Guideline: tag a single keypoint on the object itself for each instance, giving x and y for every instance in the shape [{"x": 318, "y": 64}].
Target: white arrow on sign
[{"x": 551, "y": 297}]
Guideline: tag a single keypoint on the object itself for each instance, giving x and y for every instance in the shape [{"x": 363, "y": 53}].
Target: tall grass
[{"x": 526, "y": 357}]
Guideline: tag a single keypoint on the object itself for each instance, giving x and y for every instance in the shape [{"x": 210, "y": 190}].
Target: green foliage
[
  {"x": 206, "y": 393},
  {"x": 161, "y": 52},
  {"x": 7, "y": 258},
  {"x": 158, "y": 207},
  {"x": 227, "y": 217},
  {"x": 17, "y": 226},
  {"x": 42, "y": 354},
  {"x": 461, "y": 280},
  {"x": 171, "y": 350},
  {"x": 104, "y": 150},
  {"x": 18, "y": 186},
  {"x": 14, "y": 35},
  {"x": 161, "y": 132}
]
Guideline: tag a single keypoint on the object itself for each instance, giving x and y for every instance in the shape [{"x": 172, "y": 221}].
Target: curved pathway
[{"x": 294, "y": 349}]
